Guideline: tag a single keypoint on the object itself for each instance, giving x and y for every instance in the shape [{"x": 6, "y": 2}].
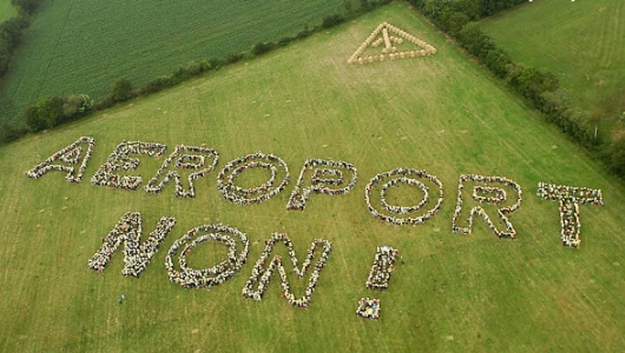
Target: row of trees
[
  {"x": 445, "y": 11},
  {"x": 53, "y": 111},
  {"x": 50, "y": 112},
  {"x": 27, "y": 6},
  {"x": 11, "y": 32},
  {"x": 539, "y": 88},
  {"x": 12, "y": 29},
  {"x": 10, "y": 36}
]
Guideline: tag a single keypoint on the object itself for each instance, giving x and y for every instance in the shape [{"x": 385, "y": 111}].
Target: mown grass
[
  {"x": 451, "y": 294},
  {"x": 76, "y": 47},
  {"x": 582, "y": 42}
]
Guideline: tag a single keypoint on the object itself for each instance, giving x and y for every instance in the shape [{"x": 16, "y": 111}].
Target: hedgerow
[
  {"x": 539, "y": 88},
  {"x": 12, "y": 29},
  {"x": 46, "y": 114}
]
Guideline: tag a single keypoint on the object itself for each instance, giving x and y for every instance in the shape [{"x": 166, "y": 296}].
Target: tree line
[
  {"x": 457, "y": 18},
  {"x": 50, "y": 112},
  {"x": 11, "y": 30}
]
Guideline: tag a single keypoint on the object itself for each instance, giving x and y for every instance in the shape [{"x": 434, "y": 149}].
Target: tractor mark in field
[
  {"x": 610, "y": 36},
  {"x": 619, "y": 29},
  {"x": 55, "y": 46}
]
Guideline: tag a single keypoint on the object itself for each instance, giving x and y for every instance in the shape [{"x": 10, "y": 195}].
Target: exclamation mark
[{"x": 379, "y": 278}]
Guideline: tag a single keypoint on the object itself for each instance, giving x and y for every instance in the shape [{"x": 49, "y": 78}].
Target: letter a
[{"x": 66, "y": 160}]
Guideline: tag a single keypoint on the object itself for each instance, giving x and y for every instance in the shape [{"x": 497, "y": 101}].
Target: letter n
[
  {"x": 137, "y": 254},
  {"x": 268, "y": 262}
]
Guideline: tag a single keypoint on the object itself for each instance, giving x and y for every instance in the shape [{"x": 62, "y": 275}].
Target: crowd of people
[
  {"x": 369, "y": 308},
  {"x": 391, "y": 40},
  {"x": 390, "y": 35},
  {"x": 487, "y": 195},
  {"x": 190, "y": 158},
  {"x": 246, "y": 196},
  {"x": 66, "y": 160},
  {"x": 383, "y": 266},
  {"x": 327, "y": 178},
  {"x": 137, "y": 254},
  {"x": 120, "y": 160},
  {"x": 379, "y": 278},
  {"x": 570, "y": 198},
  {"x": 398, "y": 215},
  {"x": 188, "y": 277},
  {"x": 262, "y": 272}
]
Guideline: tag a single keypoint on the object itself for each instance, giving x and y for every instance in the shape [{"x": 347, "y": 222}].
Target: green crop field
[
  {"x": 450, "y": 293},
  {"x": 582, "y": 42},
  {"x": 6, "y": 10},
  {"x": 76, "y": 47}
]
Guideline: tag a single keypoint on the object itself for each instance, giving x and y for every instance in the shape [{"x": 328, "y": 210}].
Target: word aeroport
[{"x": 492, "y": 198}]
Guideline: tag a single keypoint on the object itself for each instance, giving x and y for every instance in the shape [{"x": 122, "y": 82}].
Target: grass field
[
  {"x": 84, "y": 46},
  {"x": 452, "y": 294},
  {"x": 583, "y": 43},
  {"x": 6, "y": 10}
]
